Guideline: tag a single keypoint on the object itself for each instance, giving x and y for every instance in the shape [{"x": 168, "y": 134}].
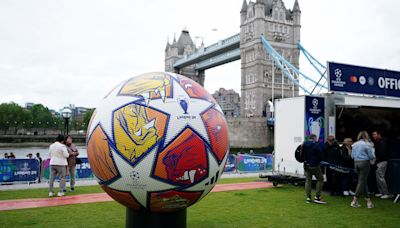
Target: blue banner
[
  {"x": 83, "y": 170},
  {"x": 13, "y": 170},
  {"x": 7, "y": 167},
  {"x": 363, "y": 80},
  {"x": 314, "y": 118},
  {"x": 230, "y": 165},
  {"x": 250, "y": 163},
  {"x": 269, "y": 159}
]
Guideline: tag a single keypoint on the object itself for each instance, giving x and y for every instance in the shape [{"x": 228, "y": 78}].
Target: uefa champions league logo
[
  {"x": 314, "y": 126},
  {"x": 134, "y": 175},
  {"x": 315, "y": 103},
  {"x": 338, "y": 74}
]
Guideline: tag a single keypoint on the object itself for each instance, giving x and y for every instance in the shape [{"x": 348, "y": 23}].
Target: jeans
[
  {"x": 362, "y": 170},
  {"x": 380, "y": 177},
  {"x": 317, "y": 172},
  {"x": 72, "y": 170},
  {"x": 57, "y": 170}
]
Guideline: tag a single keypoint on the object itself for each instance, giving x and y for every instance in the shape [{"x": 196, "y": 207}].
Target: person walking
[
  {"x": 347, "y": 162},
  {"x": 313, "y": 156},
  {"x": 362, "y": 153},
  {"x": 332, "y": 156},
  {"x": 58, "y": 164},
  {"x": 71, "y": 168},
  {"x": 40, "y": 166},
  {"x": 381, "y": 153}
]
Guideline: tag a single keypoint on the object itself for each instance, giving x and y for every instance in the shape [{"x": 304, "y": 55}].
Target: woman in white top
[{"x": 58, "y": 164}]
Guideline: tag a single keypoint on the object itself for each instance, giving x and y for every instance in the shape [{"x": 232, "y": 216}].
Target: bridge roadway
[{"x": 224, "y": 51}]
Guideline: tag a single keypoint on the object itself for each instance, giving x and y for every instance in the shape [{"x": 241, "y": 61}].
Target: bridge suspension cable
[{"x": 291, "y": 72}]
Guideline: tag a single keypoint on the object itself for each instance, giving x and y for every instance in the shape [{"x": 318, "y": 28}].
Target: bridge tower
[
  {"x": 177, "y": 50},
  {"x": 281, "y": 27}
]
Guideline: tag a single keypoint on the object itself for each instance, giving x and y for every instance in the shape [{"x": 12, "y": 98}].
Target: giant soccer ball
[{"x": 158, "y": 141}]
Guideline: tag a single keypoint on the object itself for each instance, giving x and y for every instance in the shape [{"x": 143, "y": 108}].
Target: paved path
[
  {"x": 103, "y": 197},
  {"x": 86, "y": 182}
]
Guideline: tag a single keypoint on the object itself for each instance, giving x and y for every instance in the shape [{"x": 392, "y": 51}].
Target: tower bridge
[{"x": 261, "y": 81}]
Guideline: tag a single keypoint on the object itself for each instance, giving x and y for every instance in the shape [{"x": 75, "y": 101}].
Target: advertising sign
[
  {"x": 230, "y": 165},
  {"x": 363, "y": 80},
  {"x": 7, "y": 166},
  {"x": 12, "y": 170},
  {"x": 314, "y": 118},
  {"x": 269, "y": 159},
  {"x": 83, "y": 170},
  {"x": 249, "y": 163}
]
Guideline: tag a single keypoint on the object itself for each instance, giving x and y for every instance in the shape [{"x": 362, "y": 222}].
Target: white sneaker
[
  {"x": 346, "y": 193},
  {"x": 378, "y": 195},
  {"x": 370, "y": 205},
  {"x": 386, "y": 196},
  {"x": 51, "y": 194},
  {"x": 60, "y": 194}
]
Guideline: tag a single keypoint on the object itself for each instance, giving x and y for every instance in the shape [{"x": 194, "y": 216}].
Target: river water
[{"x": 21, "y": 152}]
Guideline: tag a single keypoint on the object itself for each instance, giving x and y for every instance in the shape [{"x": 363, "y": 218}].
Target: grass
[
  {"x": 275, "y": 207},
  {"x": 43, "y": 192}
]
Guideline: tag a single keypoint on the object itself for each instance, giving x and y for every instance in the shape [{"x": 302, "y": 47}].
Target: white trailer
[
  {"x": 289, "y": 133},
  {"x": 290, "y": 123}
]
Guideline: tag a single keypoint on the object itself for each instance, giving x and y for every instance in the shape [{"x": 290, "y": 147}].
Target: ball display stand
[{"x": 147, "y": 219}]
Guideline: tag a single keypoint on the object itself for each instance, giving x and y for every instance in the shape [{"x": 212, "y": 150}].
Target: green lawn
[
  {"x": 275, "y": 207},
  {"x": 42, "y": 193}
]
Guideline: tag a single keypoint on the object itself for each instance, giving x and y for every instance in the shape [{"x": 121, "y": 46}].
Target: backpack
[{"x": 299, "y": 154}]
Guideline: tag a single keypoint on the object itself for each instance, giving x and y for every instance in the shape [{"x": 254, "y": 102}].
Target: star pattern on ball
[
  {"x": 214, "y": 168},
  {"x": 137, "y": 179},
  {"x": 103, "y": 116},
  {"x": 184, "y": 112}
]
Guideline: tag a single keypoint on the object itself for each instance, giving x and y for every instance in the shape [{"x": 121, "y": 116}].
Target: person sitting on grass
[
  {"x": 58, "y": 164},
  {"x": 313, "y": 157}
]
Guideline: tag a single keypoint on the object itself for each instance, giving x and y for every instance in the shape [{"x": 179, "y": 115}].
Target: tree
[
  {"x": 13, "y": 116},
  {"x": 41, "y": 116},
  {"x": 87, "y": 117}
]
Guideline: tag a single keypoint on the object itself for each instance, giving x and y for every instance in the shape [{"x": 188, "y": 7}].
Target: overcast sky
[{"x": 74, "y": 51}]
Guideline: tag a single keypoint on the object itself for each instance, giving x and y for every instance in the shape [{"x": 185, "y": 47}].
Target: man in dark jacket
[
  {"x": 313, "y": 157},
  {"x": 332, "y": 156},
  {"x": 382, "y": 155}
]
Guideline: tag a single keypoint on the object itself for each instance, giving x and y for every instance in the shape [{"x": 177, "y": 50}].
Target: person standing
[
  {"x": 332, "y": 156},
  {"x": 73, "y": 153},
  {"x": 58, "y": 164},
  {"x": 381, "y": 153},
  {"x": 347, "y": 162},
  {"x": 313, "y": 157},
  {"x": 40, "y": 167},
  {"x": 362, "y": 153}
]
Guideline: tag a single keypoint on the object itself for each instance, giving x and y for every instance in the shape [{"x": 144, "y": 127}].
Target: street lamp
[{"x": 66, "y": 114}]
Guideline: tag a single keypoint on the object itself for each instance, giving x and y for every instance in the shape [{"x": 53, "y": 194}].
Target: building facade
[
  {"x": 281, "y": 27},
  {"x": 229, "y": 101},
  {"x": 260, "y": 80},
  {"x": 179, "y": 49}
]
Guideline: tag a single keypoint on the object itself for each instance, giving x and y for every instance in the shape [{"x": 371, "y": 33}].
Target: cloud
[{"x": 62, "y": 52}]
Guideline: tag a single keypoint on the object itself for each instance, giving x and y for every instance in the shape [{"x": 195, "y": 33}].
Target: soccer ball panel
[
  {"x": 99, "y": 155},
  {"x": 136, "y": 130},
  {"x": 124, "y": 198},
  {"x": 172, "y": 200},
  {"x": 217, "y": 129},
  {"x": 184, "y": 161}
]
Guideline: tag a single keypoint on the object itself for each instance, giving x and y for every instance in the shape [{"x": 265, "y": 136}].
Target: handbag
[{"x": 78, "y": 161}]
